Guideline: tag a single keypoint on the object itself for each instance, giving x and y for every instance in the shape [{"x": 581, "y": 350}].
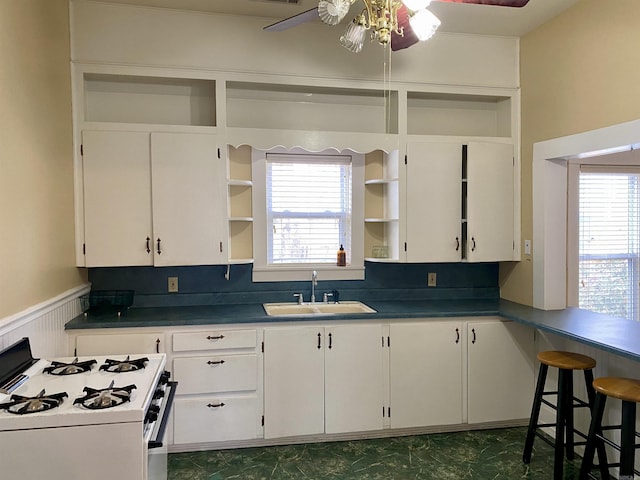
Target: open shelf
[
  {"x": 297, "y": 107},
  {"x": 461, "y": 115},
  {"x": 149, "y": 100}
]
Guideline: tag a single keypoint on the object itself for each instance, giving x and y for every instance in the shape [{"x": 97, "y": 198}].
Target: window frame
[
  {"x": 620, "y": 162},
  {"x": 262, "y": 270}
]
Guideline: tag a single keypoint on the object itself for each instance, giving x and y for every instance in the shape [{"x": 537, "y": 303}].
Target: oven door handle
[{"x": 157, "y": 442}]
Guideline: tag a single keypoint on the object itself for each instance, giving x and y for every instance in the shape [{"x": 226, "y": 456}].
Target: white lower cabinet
[
  {"x": 215, "y": 418},
  {"x": 323, "y": 379},
  {"x": 313, "y": 379},
  {"x": 218, "y": 374},
  {"x": 500, "y": 366},
  {"x": 426, "y": 373},
  {"x": 119, "y": 344}
]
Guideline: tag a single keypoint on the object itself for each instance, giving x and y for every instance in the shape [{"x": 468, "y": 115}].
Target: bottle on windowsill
[{"x": 342, "y": 257}]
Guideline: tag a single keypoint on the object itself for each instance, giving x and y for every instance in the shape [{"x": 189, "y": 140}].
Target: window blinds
[
  {"x": 308, "y": 208},
  {"x": 609, "y": 240}
]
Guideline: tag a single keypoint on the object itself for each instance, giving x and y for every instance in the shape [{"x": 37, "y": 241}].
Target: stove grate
[
  {"x": 21, "y": 405},
  {"x": 98, "y": 399},
  {"x": 126, "y": 365},
  {"x": 75, "y": 367}
]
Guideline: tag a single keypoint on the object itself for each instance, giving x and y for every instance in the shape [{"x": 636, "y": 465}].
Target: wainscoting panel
[{"x": 44, "y": 324}]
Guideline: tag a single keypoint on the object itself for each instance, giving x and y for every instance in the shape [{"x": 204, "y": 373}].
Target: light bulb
[
  {"x": 416, "y": 5},
  {"x": 424, "y": 24}
]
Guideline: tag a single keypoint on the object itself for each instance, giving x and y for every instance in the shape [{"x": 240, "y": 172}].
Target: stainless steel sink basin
[{"x": 308, "y": 309}]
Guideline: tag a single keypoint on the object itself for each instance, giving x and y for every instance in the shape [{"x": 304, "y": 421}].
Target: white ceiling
[{"x": 455, "y": 17}]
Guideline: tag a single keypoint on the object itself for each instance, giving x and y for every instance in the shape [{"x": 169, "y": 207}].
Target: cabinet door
[
  {"x": 119, "y": 344},
  {"x": 426, "y": 374},
  {"x": 434, "y": 202},
  {"x": 189, "y": 206},
  {"x": 490, "y": 190},
  {"x": 293, "y": 381},
  {"x": 117, "y": 198},
  {"x": 354, "y": 380},
  {"x": 500, "y": 371}
]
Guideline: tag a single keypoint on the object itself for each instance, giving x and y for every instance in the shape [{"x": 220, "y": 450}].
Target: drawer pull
[
  {"x": 215, "y": 362},
  {"x": 215, "y": 337},
  {"x": 215, "y": 405}
]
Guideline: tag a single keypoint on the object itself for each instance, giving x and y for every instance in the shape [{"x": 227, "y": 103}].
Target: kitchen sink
[{"x": 308, "y": 309}]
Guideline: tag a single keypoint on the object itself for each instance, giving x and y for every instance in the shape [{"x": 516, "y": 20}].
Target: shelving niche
[
  {"x": 381, "y": 228},
  {"x": 149, "y": 100},
  {"x": 431, "y": 113},
  {"x": 307, "y": 107},
  {"x": 240, "y": 199}
]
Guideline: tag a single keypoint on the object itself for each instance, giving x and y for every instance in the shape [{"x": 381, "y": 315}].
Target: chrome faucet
[{"x": 314, "y": 282}]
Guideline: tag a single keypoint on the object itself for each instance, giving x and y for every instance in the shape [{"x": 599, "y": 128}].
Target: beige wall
[
  {"x": 36, "y": 176},
  {"x": 579, "y": 72}
]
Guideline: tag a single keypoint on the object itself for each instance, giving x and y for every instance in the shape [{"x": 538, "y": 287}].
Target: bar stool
[
  {"x": 627, "y": 390},
  {"x": 566, "y": 363}
]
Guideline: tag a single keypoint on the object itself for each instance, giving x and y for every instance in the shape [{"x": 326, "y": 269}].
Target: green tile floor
[{"x": 486, "y": 455}]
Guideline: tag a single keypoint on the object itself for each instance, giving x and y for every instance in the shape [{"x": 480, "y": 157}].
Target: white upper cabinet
[
  {"x": 434, "y": 202},
  {"x": 460, "y": 202},
  {"x": 490, "y": 202},
  {"x": 189, "y": 206},
  {"x": 117, "y": 198},
  {"x": 183, "y": 222}
]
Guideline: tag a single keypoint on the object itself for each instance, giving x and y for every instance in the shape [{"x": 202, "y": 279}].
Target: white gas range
[{"x": 91, "y": 417}]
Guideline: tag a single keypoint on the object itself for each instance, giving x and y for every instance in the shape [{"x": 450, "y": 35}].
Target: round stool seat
[
  {"x": 626, "y": 389},
  {"x": 566, "y": 360}
]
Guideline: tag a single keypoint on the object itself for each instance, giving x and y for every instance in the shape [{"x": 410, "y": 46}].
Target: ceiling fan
[{"x": 399, "y": 23}]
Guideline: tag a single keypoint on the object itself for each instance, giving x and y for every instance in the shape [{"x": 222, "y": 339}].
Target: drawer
[
  {"x": 214, "y": 340},
  {"x": 215, "y": 419},
  {"x": 221, "y": 373}
]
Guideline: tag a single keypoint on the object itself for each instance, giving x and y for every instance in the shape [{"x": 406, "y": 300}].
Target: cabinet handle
[
  {"x": 220, "y": 247},
  {"x": 330, "y": 342},
  {"x": 457, "y": 243},
  {"x": 457, "y": 335},
  {"x": 157, "y": 345},
  {"x": 473, "y": 244},
  {"x": 319, "y": 341},
  {"x": 215, "y": 362},
  {"x": 215, "y": 405},
  {"x": 215, "y": 337},
  {"x": 159, "y": 251},
  {"x": 148, "y": 245},
  {"x": 473, "y": 331}
]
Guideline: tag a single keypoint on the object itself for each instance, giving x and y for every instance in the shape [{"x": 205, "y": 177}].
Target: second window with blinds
[
  {"x": 605, "y": 267},
  {"x": 305, "y": 206}
]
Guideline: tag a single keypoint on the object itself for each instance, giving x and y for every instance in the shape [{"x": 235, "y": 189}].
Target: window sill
[{"x": 292, "y": 273}]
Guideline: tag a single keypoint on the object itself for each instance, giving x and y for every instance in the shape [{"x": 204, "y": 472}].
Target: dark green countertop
[{"x": 615, "y": 335}]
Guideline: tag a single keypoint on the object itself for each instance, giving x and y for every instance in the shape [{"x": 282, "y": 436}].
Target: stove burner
[
  {"x": 24, "y": 405},
  {"x": 61, "y": 368},
  {"x": 126, "y": 365},
  {"x": 96, "y": 399}
]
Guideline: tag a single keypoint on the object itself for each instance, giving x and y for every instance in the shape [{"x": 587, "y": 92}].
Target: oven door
[{"x": 155, "y": 440}]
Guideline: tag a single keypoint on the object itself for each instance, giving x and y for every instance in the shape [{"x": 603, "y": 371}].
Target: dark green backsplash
[{"x": 206, "y": 285}]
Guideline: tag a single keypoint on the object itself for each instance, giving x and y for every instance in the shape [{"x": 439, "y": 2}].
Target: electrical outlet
[
  {"x": 527, "y": 247},
  {"x": 173, "y": 284},
  {"x": 431, "y": 279}
]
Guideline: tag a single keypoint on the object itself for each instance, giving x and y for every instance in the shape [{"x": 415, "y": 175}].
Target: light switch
[{"x": 527, "y": 247}]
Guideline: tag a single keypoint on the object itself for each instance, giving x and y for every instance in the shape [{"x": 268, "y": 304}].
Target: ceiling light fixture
[{"x": 381, "y": 18}]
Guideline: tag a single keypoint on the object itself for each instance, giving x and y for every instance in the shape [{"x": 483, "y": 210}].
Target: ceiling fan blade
[
  {"x": 294, "y": 21},
  {"x": 408, "y": 38},
  {"x": 498, "y": 3}
]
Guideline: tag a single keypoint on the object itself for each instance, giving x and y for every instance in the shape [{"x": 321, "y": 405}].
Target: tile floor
[{"x": 485, "y": 455}]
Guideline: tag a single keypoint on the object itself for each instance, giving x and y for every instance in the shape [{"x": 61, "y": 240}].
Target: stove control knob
[
  {"x": 154, "y": 408},
  {"x": 151, "y": 417},
  {"x": 159, "y": 393},
  {"x": 164, "y": 377}
]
